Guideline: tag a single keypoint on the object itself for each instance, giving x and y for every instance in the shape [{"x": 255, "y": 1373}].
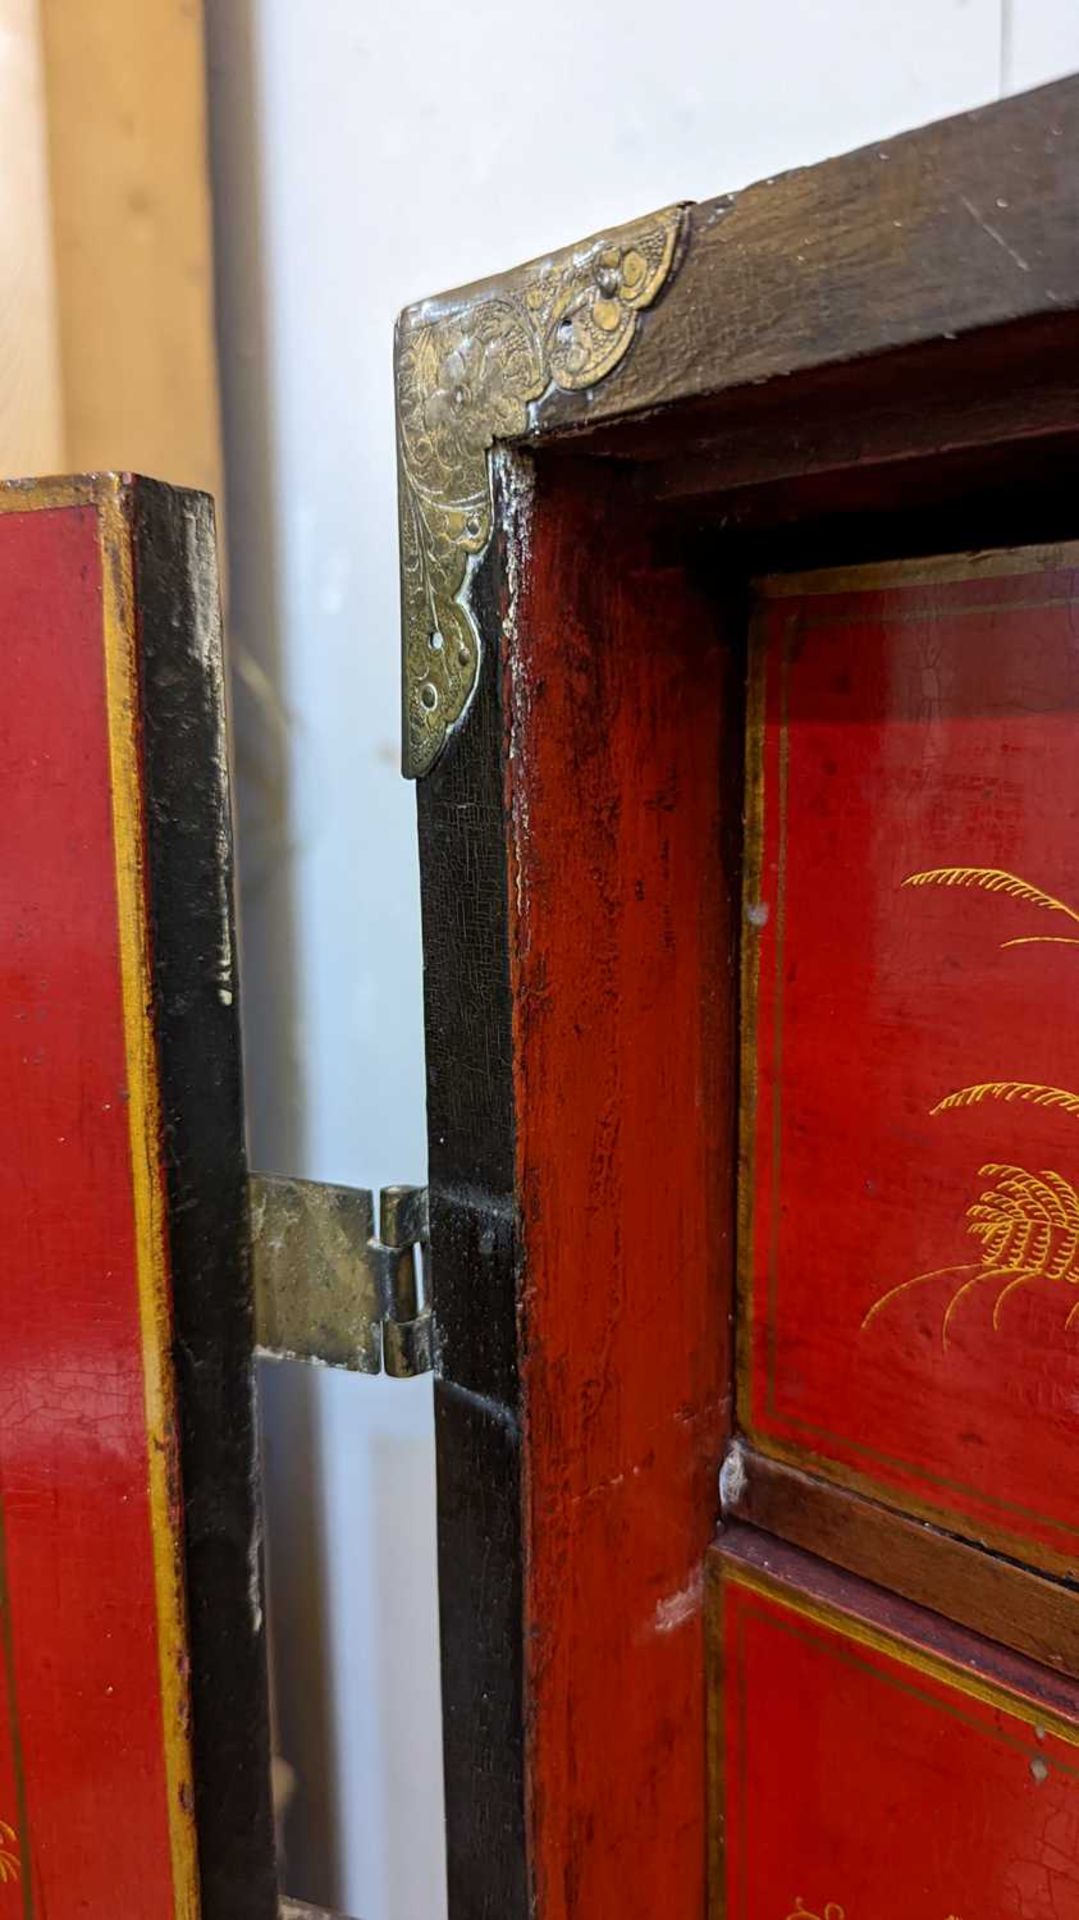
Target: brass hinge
[{"x": 331, "y": 1290}]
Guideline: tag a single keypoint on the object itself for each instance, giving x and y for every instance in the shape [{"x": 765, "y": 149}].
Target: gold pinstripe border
[
  {"x": 893, "y": 1644},
  {"x": 850, "y": 1637},
  {"x": 992, "y": 563},
  {"x": 144, "y": 1112},
  {"x": 107, "y": 494},
  {"x": 970, "y": 1509}
]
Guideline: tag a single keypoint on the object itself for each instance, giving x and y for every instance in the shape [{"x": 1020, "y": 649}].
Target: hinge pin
[{"x": 331, "y": 1290}]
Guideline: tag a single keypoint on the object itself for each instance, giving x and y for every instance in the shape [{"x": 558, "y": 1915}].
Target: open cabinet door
[
  {"x": 742, "y": 688},
  {"x": 134, "y": 1751}
]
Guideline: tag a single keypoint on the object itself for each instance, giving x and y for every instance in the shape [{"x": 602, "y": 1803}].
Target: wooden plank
[
  {"x": 1035, "y": 1615},
  {"x": 580, "y": 1066},
  {"x": 470, "y": 1121},
  {"x": 196, "y": 1001},
  {"x": 929, "y": 238},
  {"x": 31, "y": 406},
  {"x": 854, "y": 419},
  {"x": 934, "y": 236},
  {"x": 622, "y": 754},
  {"x": 132, "y": 237}
]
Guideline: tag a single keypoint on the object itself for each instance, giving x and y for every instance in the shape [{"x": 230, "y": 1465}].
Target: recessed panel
[
  {"x": 872, "y": 1764},
  {"x": 909, "y": 1262}
]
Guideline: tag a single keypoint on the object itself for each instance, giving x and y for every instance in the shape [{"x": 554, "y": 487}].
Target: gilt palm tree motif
[
  {"x": 997, "y": 880},
  {"x": 1027, "y": 1223},
  {"x": 1028, "y": 1226},
  {"x": 9, "y": 1854}
]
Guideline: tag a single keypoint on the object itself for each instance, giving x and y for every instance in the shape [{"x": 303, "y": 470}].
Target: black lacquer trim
[
  {"x": 479, "y": 1463},
  {"x": 462, "y": 827},
  {"x": 197, "y": 1025}
]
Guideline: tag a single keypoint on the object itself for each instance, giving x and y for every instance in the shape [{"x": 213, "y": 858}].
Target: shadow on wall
[{"x": 296, "y": 1579}]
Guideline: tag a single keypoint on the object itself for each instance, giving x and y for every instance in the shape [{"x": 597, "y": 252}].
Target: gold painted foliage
[
  {"x": 1028, "y": 1227},
  {"x": 1029, "y": 1093},
  {"x": 10, "y": 1866},
  {"x": 999, "y": 880},
  {"x": 1027, "y": 1223}
]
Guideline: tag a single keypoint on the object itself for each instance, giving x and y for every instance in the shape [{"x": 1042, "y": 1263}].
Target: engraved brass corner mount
[{"x": 468, "y": 371}]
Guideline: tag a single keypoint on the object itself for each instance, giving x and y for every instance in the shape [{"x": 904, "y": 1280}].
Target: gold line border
[
  {"x": 935, "y": 614},
  {"x": 790, "y": 624},
  {"x": 741, "y": 1708},
  {"x": 749, "y": 1003},
  {"x": 847, "y": 1630},
  {"x": 839, "y": 1471},
  {"x": 60, "y": 490},
  {"x": 148, "y": 1197},
  {"x": 717, "y": 1799},
  {"x": 894, "y": 1645},
  {"x": 922, "y": 571},
  {"x": 1026, "y": 1548}
]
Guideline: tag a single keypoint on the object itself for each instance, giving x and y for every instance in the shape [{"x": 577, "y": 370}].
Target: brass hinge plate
[{"x": 328, "y": 1288}]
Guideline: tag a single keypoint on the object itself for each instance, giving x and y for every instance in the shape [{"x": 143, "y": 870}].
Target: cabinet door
[
  {"x": 908, "y": 1262},
  {"x": 872, "y": 1759},
  {"x": 134, "y": 1775},
  {"x": 909, "y": 1259}
]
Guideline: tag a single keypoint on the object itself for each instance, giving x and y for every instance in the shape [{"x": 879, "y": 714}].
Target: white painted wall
[{"x": 365, "y": 155}]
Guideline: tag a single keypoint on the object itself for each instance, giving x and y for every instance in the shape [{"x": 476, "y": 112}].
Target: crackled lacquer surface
[
  {"x": 877, "y": 1770},
  {"x": 95, "y": 1794},
  {"x": 910, "y": 1171}
]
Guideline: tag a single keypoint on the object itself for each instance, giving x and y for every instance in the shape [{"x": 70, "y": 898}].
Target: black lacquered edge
[
  {"x": 196, "y": 1012},
  {"x": 463, "y": 829}
]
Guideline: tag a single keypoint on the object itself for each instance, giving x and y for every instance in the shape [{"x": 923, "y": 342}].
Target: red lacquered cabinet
[{"x": 740, "y": 608}]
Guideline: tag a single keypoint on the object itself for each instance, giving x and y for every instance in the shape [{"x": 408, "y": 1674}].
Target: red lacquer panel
[
  {"x": 94, "y": 1779},
  {"x": 623, "y": 1043},
  {"x": 871, "y": 1775},
  {"x": 910, "y": 1237}
]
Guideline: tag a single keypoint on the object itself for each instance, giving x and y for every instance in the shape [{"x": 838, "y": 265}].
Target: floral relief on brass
[{"x": 467, "y": 375}]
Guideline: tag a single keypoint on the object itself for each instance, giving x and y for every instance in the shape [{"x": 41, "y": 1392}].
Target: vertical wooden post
[
  {"x": 31, "y": 411},
  {"x": 131, "y": 232}
]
